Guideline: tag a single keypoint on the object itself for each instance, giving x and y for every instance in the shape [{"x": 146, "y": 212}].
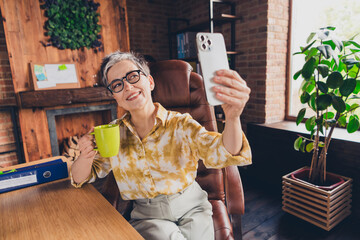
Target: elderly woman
[{"x": 157, "y": 162}]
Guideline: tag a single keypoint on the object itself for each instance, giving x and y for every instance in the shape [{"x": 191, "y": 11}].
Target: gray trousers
[{"x": 183, "y": 215}]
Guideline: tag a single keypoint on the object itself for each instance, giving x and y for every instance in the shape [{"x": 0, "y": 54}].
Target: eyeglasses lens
[{"x": 131, "y": 77}]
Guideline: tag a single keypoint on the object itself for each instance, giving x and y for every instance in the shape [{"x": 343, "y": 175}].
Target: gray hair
[{"x": 118, "y": 56}]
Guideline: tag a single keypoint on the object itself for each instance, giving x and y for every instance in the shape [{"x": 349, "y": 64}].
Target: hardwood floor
[{"x": 265, "y": 220}]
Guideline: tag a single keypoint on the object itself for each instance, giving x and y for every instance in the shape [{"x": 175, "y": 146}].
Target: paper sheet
[{"x": 62, "y": 74}]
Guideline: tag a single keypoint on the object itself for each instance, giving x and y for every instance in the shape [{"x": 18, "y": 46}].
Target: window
[{"x": 308, "y": 16}]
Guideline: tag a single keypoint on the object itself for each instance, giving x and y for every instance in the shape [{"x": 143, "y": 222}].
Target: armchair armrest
[{"x": 234, "y": 191}]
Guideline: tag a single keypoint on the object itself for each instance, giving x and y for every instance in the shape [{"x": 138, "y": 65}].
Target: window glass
[{"x": 308, "y": 16}]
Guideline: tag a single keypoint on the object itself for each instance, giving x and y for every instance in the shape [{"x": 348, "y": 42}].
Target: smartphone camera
[
  {"x": 205, "y": 43},
  {"x": 203, "y": 46}
]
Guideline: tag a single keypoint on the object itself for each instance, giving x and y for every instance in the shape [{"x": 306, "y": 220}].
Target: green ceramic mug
[{"x": 107, "y": 138}]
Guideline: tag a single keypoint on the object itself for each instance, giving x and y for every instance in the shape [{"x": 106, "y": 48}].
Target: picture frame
[{"x": 47, "y": 76}]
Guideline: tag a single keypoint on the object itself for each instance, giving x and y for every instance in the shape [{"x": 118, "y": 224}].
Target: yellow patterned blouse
[{"x": 166, "y": 160}]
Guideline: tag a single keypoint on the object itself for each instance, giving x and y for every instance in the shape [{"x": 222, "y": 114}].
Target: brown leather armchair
[{"x": 178, "y": 88}]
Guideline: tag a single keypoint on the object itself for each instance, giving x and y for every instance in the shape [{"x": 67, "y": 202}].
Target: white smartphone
[{"x": 212, "y": 57}]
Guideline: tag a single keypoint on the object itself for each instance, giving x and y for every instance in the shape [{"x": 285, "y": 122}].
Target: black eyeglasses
[{"x": 132, "y": 77}]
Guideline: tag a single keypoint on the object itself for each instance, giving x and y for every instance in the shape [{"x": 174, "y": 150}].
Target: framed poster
[{"x": 54, "y": 76}]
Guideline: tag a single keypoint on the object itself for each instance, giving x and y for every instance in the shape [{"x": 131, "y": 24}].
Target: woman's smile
[{"x": 133, "y": 96}]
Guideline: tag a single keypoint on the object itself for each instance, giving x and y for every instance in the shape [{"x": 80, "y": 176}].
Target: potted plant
[{"x": 330, "y": 91}]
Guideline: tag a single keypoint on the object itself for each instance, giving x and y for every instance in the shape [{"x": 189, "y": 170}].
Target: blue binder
[{"x": 33, "y": 175}]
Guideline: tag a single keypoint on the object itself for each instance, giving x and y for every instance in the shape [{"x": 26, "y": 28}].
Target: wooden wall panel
[
  {"x": 36, "y": 138},
  {"x": 23, "y": 22}
]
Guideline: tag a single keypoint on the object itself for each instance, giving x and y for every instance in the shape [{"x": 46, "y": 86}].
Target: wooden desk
[{"x": 57, "y": 210}]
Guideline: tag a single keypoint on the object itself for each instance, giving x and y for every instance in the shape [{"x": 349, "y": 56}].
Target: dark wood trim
[{"x": 53, "y": 98}]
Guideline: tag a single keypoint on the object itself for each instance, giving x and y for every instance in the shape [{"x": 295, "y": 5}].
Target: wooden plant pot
[{"x": 323, "y": 208}]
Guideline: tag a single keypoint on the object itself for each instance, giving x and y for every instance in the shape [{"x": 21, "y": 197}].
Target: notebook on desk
[{"x": 32, "y": 175}]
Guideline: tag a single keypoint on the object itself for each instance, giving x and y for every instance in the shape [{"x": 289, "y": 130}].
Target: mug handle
[{"x": 95, "y": 148}]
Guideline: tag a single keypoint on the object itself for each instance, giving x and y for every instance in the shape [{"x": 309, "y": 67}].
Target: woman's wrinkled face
[{"x": 133, "y": 96}]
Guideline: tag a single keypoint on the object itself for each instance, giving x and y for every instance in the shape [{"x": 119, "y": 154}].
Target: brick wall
[
  {"x": 7, "y": 141},
  {"x": 278, "y": 25},
  {"x": 251, "y": 41},
  {"x": 7, "y": 98},
  {"x": 148, "y": 29}
]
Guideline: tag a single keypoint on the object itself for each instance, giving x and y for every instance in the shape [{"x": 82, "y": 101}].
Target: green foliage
[
  {"x": 330, "y": 88},
  {"x": 72, "y": 24}
]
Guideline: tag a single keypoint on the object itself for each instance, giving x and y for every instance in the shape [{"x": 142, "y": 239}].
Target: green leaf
[
  {"x": 329, "y": 28},
  {"x": 353, "y": 72},
  {"x": 340, "y": 67},
  {"x": 353, "y": 124},
  {"x": 325, "y": 50},
  {"x": 308, "y": 68},
  {"x": 312, "y": 52},
  {"x": 348, "y": 87},
  {"x": 308, "y": 46},
  {"x": 347, "y": 107},
  {"x": 310, "y": 86},
  {"x": 312, "y": 101},
  {"x": 310, "y": 37},
  {"x": 350, "y": 63},
  {"x": 322, "y": 87},
  {"x": 338, "y": 104},
  {"x": 354, "y": 106},
  {"x": 323, "y": 34},
  {"x": 342, "y": 121},
  {"x": 302, "y": 146},
  {"x": 310, "y": 146},
  {"x": 323, "y": 102},
  {"x": 334, "y": 80},
  {"x": 330, "y": 43},
  {"x": 329, "y": 115},
  {"x": 331, "y": 122},
  {"x": 323, "y": 69},
  {"x": 353, "y": 50},
  {"x": 354, "y": 97},
  {"x": 305, "y": 97},
  {"x": 326, "y": 62},
  {"x": 300, "y": 116},
  {"x": 310, "y": 123},
  {"x": 338, "y": 43},
  {"x": 354, "y": 43},
  {"x": 321, "y": 144},
  {"x": 334, "y": 60},
  {"x": 297, "y": 74},
  {"x": 297, "y": 143},
  {"x": 357, "y": 88}
]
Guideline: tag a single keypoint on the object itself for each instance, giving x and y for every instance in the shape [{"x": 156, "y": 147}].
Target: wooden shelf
[{"x": 56, "y": 97}]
